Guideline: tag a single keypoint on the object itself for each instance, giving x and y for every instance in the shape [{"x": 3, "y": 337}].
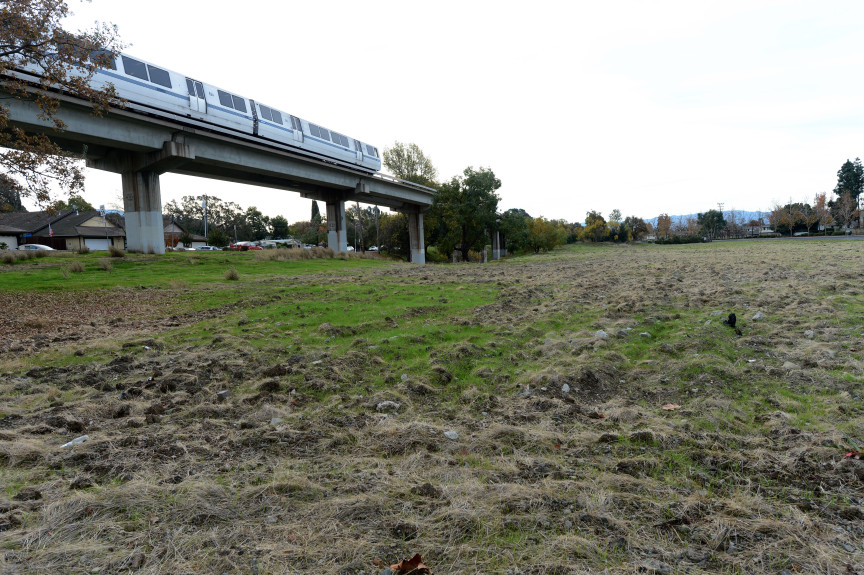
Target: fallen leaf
[
  {"x": 671, "y": 406},
  {"x": 413, "y": 565},
  {"x": 854, "y": 455}
]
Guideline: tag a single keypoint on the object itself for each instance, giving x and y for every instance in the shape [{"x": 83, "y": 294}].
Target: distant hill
[{"x": 727, "y": 215}]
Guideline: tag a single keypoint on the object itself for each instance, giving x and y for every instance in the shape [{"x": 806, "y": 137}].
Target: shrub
[
  {"x": 232, "y": 275},
  {"x": 39, "y": 253},
  {"x": 76, "y": 267},
  {"x": 116, "y": 252},
  {"x": 9, "y": 258},
  {"x": 84, "y": 250},
  {"x": 105, "y": 265},
  {"x": 4, "y": 246},
  {"x": 681, "y": 240}
]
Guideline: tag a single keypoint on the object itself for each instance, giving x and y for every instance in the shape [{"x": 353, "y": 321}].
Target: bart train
[{"x": 158, "y": 91}]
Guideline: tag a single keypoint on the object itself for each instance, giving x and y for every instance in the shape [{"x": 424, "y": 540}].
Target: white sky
[{"x": 648, "y": 107}]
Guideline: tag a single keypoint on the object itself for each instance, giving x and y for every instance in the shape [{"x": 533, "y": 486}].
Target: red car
[{"x": 244, "y": 246}]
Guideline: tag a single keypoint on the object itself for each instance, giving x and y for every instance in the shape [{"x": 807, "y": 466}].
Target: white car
[
  {"x": 208, "y": 249},
  {"x": 33, "y": 247}
]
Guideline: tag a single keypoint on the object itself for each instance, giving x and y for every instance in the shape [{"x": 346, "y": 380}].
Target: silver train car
[{"x": 152, "y": 89}]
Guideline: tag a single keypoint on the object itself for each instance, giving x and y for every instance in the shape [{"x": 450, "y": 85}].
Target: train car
[{"x": 153, "y": 90}]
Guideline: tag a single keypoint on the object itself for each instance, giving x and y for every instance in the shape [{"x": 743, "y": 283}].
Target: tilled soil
[{"x": 606, "y": 420}]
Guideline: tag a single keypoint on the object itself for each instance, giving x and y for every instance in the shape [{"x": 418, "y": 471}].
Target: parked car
[
  {"x": 33, "y": 247},
  {"x": 244, "y": 246},
  {"x": 208, "y": 248}
]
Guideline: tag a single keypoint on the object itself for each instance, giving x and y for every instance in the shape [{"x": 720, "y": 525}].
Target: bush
[
  {"x": 681, "y": 240},
  {"x": 9, "y": 258},
  {"x": 116, "y": 252},
  {"x": 232, "y": 275},
  {"x": 76, "y": 267},
  {"x": 84, "y": 249},
  {"x": 4, "y": 246},
  {"x": 105, "y": 265}
]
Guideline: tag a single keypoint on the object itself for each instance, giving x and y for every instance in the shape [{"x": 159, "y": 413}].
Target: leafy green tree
[
  {"x": 316, "y": 213},
  {"x": 280, "y": 227},
  {"x": 255, "y": 225},
  {"x": 408, "y": 162},
  {"x": 74, "y": 202},
  {"x": 394, "y": 234},
  {"x": 467, "y": 205},
  {"x": 217, "y": 238},
  {"x": 190, "y": 212},
  {"x": 513, "y": 227},
  {"x": 711, "y": 223},
  {"x": 850, "y": 178},
  {"x": 186, "y": 239},
  {"x": 31, "y": 33},
  {"x": 10, "y": 196}
]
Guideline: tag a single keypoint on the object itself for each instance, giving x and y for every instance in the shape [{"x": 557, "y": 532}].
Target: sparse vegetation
[{"x": 605, "y": 419}]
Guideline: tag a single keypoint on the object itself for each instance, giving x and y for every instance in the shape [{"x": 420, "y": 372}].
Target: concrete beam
[{"x": 142, "y": 207}]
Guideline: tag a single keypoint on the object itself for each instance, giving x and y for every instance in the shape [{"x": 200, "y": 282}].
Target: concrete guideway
[{"x": 140, "y": 147}]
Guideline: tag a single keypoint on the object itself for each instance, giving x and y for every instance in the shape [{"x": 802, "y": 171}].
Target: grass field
[{"x": 583, "y": 411}]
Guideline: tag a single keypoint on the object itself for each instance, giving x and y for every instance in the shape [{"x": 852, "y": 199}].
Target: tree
[
  {"x": 822, "y": 210},
  {"x": 845, "y": 210},
  {"x": 513, "y": 227},
  {"x": 790, "y": 218},
  {"x": 217, "y": 238},
  {"x": 74, "y": 202},
  {"x": 316, "y": 213},
  {"x": 664, "y": 226},
  {"x": 544, "y": 235},
  {"x": 408, "y": 162},
  {"x": 467, "y": 206},
  {"x": 31, "y": 35},
  {"x": 10, "y": 196},
  {"x": 636, "y": 227},
  {"x": 280, "y": 227},
  {"x": 254, "y": 225},
  {"x": 711, "y": 223},
  {"x": 190, "y": 211},
  {"x": 850, "y": 178},
  {"x": 596, "y": 229}
]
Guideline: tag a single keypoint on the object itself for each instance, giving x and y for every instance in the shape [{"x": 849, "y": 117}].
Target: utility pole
[{"x": 205, "y": 216}]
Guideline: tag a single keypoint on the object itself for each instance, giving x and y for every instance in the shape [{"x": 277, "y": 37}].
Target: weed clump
[
  {"x": 116, "y": 252},
  {"x": 9, "y": 258},
  {"x": 105, "y": 265},
  {"x": 76, "y": 267},
  {"x": 84, "y": 250},
  {"x": 232, "y": 275}
]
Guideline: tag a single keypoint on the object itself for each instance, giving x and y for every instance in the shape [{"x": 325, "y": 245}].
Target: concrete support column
[
  {"x": 496, "y": 246},
  {"x": 337, "y": 237},
  {"x": 142, "y": 197},
  {"x": 415, "y": 236},
  {"x": 142, "y": 207}
]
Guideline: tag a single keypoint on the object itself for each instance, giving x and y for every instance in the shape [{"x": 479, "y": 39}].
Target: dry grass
[{"x": 298, "y": 471}]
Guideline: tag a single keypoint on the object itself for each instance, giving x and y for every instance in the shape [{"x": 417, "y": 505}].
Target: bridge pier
[
  {"x": 337, "y": 236},
  {"x": 142, "y": 196},
  {"x": 415, "y": 236}
]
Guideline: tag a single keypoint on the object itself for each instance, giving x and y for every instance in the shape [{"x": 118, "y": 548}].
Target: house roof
[
  {"x": 31, "y": 222},
  {"x": 73, "y": 225}
]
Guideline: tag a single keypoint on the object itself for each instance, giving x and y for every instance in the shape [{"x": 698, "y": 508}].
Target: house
[
  {"x": 63, "y": 230},
  {"x": 174, "y": 230}
]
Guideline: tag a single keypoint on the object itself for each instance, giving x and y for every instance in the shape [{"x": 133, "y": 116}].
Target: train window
[
  {"x": 370, "y": 151},
  {"x": 190, "y": 86},
  {"x": 239, "y": 104},
  {"x": 340, "y": 139},
  {"x": 376, "y": 152},
  {"x": 295, "y": 123},
  {"x": 104, "y": 59},
  {"x": 225, "y": 99},
  {"x": 159, "y": 76},
  {"x": 200, "y": 87},
  {"x": 265, "y": 112},
  {"x": 277, "y": 117},
  {"x": 313, "y": 129},
  {"x": 325, "y": 133},
  {"x": 135, "y": 68},
  {"x": 357, "y": 146}
]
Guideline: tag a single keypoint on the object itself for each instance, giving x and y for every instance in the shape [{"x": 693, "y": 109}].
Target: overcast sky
[{"x": 648, "y": 107}]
